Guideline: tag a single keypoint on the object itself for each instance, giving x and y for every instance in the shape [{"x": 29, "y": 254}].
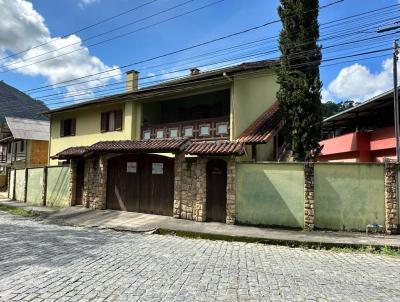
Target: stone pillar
[
  {"x": 390, "y": 198},
  {"x": 95, "y": 182},
  {"x": 201, "y": 193},
  {"x": 231, "y": 192},
  {"x": 179, "y": 163},
  {"x": 308, "y": 196},
  {"x": 72, "y": 182}
]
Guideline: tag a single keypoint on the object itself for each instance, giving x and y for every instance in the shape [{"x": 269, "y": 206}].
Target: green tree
[{"x": 298, "y": 75}]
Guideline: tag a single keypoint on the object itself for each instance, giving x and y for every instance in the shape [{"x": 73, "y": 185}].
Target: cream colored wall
[
  {"x": 88, "y": 127},
  {"x": 251, "y": 96}
]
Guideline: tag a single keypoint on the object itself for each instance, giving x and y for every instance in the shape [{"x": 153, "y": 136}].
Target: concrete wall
[
  {"x": 35, "y": 186},
  {"x": 58, "y": 190},
  {"x": 348, "y": 196},
  {"x": 88, "y": 127},
  {"x": 20, "y": 185},
  {"x": 11, "y": 186},
  {"x": 270, "y": 194}
]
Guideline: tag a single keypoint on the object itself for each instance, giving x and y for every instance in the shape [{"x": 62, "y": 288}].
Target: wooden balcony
[{"x": 204, "y": 129}]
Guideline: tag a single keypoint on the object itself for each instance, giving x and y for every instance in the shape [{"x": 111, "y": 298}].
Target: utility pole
[{"x": 396, "y": 110}]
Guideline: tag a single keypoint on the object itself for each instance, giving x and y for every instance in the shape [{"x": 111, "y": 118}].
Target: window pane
[
  {"x": 173, "y": 132},
  {"x": 160, "y": 134},
  {"x": 204, "y": 130},
  {"x": 188, "y": 131},
  {"x": 222, "y": 129},
  {"x": 111, "y": 121},
  {"x": 146, "y": 134}
]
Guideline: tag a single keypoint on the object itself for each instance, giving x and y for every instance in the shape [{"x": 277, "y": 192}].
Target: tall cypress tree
[{"x": 298, "y": 75}]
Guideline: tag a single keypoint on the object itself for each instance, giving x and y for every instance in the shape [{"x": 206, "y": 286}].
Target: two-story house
[
  {"x": 170, "y": 149},
  {"x": 24, "y": 133}
]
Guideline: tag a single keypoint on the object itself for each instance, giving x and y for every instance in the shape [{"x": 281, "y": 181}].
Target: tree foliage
[
  {"x": 330, "y": 108},
  {"x": 298, "y": 75}
]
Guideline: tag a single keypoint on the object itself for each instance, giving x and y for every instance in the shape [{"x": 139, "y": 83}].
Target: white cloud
[
  {"x": 359, "y": 83},
  {"x": 23, "y": 27},
  {"x": 83, "y": 3}
]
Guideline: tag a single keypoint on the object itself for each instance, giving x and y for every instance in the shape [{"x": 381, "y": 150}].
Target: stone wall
[
  {"x": 231, "y": 191},
  {"x": 390, "y": 198},
  {"x": 309, "y": 196},
  {"x": 191, "y": 189},
  {"x": 95, "y": 182},
  {"x": 72, "y": 182}
]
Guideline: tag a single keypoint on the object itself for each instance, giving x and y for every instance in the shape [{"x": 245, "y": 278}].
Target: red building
[{"x": 364, "y": 133}]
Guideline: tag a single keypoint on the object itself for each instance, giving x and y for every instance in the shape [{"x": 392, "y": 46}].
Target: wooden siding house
[
  {"x": 170, "y": 149},
  {"x": 24, "y": 133}
]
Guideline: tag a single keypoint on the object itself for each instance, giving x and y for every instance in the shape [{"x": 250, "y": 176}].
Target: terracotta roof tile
[
  {"x": 151, "y": 145},
  {"x": 264, "y": 127},
  {"x": 215, "y": 148},
  {"x": 72, "y": 152}
]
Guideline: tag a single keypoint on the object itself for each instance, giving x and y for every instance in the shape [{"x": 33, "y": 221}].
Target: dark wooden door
[
  {"x": 150, "y": 189},
  {"x": 123, "y": 183},
  {"x": 80, "y": 176},
  {"x": 157, "y": 190},
  {"x": 216, "y": 190}
]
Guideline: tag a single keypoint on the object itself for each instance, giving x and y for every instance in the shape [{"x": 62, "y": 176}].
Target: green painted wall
[
  {"x": 270, "y": 194},
  {"x": 35, "y": 186},
  {"x": 20, "y": 185},
  {"x": 58, "y": 187},
  {"x": 348, "y": 196}
]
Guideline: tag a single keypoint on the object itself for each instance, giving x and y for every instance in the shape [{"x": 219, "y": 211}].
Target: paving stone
[{"x": 43, "y": 262}]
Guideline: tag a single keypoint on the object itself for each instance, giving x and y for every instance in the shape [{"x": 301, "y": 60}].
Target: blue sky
[{"x": 27, "y": 26}]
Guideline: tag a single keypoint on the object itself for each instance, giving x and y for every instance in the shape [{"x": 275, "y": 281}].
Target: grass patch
[
  {"x": 18, "y": 211},
  {"x": 333, "y": 247}
]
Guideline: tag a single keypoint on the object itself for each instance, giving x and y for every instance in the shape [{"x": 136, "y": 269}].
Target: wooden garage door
[{"x": 141, "y": 183}]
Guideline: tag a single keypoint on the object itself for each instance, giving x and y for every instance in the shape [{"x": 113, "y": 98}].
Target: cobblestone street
[{"x": 40, "y": 262}]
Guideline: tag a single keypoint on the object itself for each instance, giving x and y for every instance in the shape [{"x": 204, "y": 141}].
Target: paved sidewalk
[{"x": 139, "y": 222}]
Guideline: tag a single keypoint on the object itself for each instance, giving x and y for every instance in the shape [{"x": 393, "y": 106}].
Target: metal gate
[{"x": 141, "y": 183}]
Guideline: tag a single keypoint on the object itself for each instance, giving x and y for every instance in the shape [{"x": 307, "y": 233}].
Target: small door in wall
[{"x": 216, "y": 190}]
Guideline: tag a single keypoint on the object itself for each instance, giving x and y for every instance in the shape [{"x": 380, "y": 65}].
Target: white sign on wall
[
  {"x": 131, "y": 167},
  {"x": 157, "y": 168}
]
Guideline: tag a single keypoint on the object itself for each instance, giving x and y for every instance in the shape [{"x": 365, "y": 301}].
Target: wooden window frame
[
  {"x": 105, "y": 121},
  {"x": 177, "y": 132},
  {"x": 72, "y": 131},
  {"x": 156, "y": 131},
  {"x": 188, "y": 127},
  {"x": 209, "y": 130},
  {"x": 222, "y": 133},
  {"x": 146, "y": 131}
]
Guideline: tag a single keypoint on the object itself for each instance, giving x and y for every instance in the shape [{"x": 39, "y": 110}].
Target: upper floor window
[
  {"x": 222, "y": 128},
  {"x": 21, "y": 146},
  {"x": 111, "y": 121},
  {"x": 67, "y": 127}
]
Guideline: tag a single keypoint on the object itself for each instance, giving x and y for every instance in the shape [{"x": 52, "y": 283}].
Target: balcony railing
[{"x": 204, "y": 129}]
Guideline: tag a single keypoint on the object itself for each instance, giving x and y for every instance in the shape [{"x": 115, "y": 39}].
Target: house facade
[
  {"x": 364, "y": 133},
  {"x": 170, "y": 149},
  {"x": 24, "y": 133}
]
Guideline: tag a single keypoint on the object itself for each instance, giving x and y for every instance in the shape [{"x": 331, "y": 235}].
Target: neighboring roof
[
  {"x": 72, "y": 152},
  {"x": 6, "y": 140},
  {"x": 205, "y": 79},
  {"x": 151, "y": 145},
  {"x": 17, "y": 104},
  {"x": 22, "y": 128},
  {"x": 215, "y": 148},
  {"x": 373, "y": 106},
  {"x": 264, "y": 127}
]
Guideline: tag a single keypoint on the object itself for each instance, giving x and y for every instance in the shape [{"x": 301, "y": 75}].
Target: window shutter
[
  {"x": 73, "y": 126},
  {"x": 62, "y": 128},
  {"x": 118, "y": 120},
  {"x": 104, "y": 121}
]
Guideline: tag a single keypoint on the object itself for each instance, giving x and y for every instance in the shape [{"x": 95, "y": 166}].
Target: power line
[{"x": 81, "y": 29}]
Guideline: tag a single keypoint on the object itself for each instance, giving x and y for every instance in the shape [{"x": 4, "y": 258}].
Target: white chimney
[
  {"x": 194, "y": 71},
  {"x": 132, "y": 81}
]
